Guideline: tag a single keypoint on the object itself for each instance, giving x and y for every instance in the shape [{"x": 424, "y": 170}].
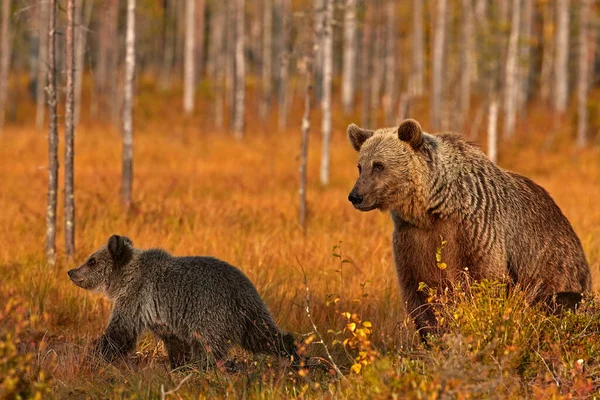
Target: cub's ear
[
  {"x": 358, "y": 136},
  {"x": 120, "y": 249},
  {"x": 410, "y": 131}
]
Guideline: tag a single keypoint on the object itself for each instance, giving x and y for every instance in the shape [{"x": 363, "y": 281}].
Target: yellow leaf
[
  {"x": 442, "y": 266},
  {"x": 351, "y": 326},
  {"x": 356, "y": 368},
  {"x": 367, "y": 324}
]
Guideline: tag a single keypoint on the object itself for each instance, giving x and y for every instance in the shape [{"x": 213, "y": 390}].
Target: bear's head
[
  {"x": 96, "y": 272},
  {"x": 388, "y": 165}
]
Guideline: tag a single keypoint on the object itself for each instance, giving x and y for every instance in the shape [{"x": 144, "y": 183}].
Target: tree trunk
[
  {"x": 285, "y": 64},
  {"x": 583, "y": 73},
  {"x": 493, "y": 130},
  {"x": 438, "y": 64},
  {"x": 240, "y": 71},
  {"x": 82, "y": 21},
  {"x": 70, "y": 134},
  {"x": 50, "y": 24},
  {"x": 127, "y": 155},
  {"x": 303, "y": 209},
  {"x": 512, "y": 74},
  {"x": 189, "y": 66},
  {"x": 326, "y": 100},
  {"x": 230, "y": 59},
  {"x": 267, "y": 59},
  {"x": 561, "y": 78},
  {"x": 418, "y": 45},
  {"x": 525, "y": 61},
  {"x": 199, "y": 50},
  {"x": 365, "y": 68},
  {"x": 43, "y": 61},
  {"x": 169, "y": 41},
  {"x": 546, "y": 74},
  {"x": 466, "y": 60},
  {"x": 350, "y": 45},
  {"x": 390, "y": 86},
  {"x": 378, "y": 58},
  {"x": 4, "y": 59},
  {"x": 320, "y": 10}
]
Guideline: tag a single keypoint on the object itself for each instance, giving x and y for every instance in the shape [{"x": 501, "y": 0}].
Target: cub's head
[
  {"x": 386, "y": 164},
  {"x": 96, "y": 271}
]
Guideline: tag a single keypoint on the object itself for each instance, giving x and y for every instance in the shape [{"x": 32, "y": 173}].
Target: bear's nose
[
  {"x": 71, "y": 272},
  {"x": 355, "y": 198}
]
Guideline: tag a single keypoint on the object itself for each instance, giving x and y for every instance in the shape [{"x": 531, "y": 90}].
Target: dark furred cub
[
  {"x": 199, "y": 306},
  {"x": 496, "y": 224}
]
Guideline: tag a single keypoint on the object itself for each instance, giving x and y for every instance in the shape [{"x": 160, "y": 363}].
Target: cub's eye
[
  {"x": 377, "y": 167},
  {"x": 91, "y": 262},
  {"x": 359, "y": 169}
]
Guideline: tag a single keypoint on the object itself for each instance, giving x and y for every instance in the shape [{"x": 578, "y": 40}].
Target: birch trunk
[
  {"x": 43, "y": 61},
  {"x": 417, "y": 77},
  {"x": 378, "y": 59},
  {"x": 349, "y": 68},
  {"x": 390, "y": 86},
  {"x": 437, "y": 64},
  {"x": 50, "y": 12},
  {"x": 230, "y": 26},
  {"x": 70, "y": 134},
  {"x": 240, "y": 71},
  {"x": 466, "y": 59},
  {"x": 127, "y": 152},
  {"x": 511, "y": 78},
  {"x": 83, "y": 15},
  {"x": 189, "y": 66},
  {"x": 285, "y": 61},
  {"x": 267, "y": 59},
  {"x": 583, "y": 73},
  {"x": 4, "y": 59},
  {"x": 320, "y": 10},
  {"x": 326, "y": 100},
  {"x": 561, "y": 77},
  {"x": 303, "y": 209},
  {"x": 365, "y": 68},
  {"x": 493, "y": 130}
]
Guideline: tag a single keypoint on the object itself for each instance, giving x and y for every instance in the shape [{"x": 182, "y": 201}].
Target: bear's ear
[
  {"x": 120, "y": 249},
  {"x": 410, "y": 131},
  {"x": 358, "y": 136}
]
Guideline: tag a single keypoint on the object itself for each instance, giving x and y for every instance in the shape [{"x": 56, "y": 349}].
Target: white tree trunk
[
  {"x": 50, "y": 24},
  {"x": 493, "y": 130},
  {"x": 350, "y": 46},
  {"x": 467, "y": 59},
  {"x": 267, "y": 59},
  {"x": 240, "y": 71},
  {"x": 303, "y": 209},
  {"x": 43, "y": 61},
  {"x": 189, "y": 64},
  {"x": 127, "y": 167},
  {"x": 512, "y": 72},
  {"x": 4, "y": 59},
  {"x": 70, "y": 134},
  {"x": 561, "y": 77},
  {"x": 583, "y": 73},
  {"x": 437, "y": 60},
  {"x": 418, "y": 59},
  {"x": 326, "y": 100},
  {"x": 390, "y": 86}
]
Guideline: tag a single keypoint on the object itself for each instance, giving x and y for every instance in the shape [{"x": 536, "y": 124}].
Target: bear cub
[{"x": 198, "y": 306}]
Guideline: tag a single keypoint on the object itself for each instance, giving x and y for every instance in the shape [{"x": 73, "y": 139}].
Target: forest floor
[{"x": 199, "y": 193}]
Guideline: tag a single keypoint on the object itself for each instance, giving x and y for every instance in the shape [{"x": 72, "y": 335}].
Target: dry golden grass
[{"x": 203, "y": 193}]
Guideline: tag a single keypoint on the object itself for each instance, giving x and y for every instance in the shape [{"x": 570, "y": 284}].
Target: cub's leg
[{"x": 119, "y": 338}]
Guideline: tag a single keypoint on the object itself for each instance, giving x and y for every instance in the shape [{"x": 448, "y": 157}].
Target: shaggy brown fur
[{"x": 497, "y": 224}]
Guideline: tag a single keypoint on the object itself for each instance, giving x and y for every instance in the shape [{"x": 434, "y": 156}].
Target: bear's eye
[
  {"x": 377, "y": 167},
  {"x": 91, "y": 262}
]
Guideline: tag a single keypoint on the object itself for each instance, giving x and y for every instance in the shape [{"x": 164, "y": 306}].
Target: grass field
[{"x": 203, "y": 193}]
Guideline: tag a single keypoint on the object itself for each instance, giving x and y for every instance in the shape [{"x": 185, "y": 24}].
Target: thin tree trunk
[
  {"x": 349, "y": 71},
  {"x": 217, "y": 40},
  {"x": 546, "y": 74},
  {"x": 82, "y": 21},
  {"x": 418, "y": 58},
  {"x": 189, "y": 65},
  {"x": 326, "y": 100},
  {"x": 390, "y": 86},
  {"x": 493, "y": 130},
  {"x": 525, "y": 61},
  {"x": 378, "y": 60},
  {"x": 583, "y": 73},
  {"x": 42, "y": 71},
  {"x": 169, "y": 39},
  {"x": 467, "y": 61},
  {"x": 365, "y": 68},
  {"x": 267, "y": 59},
  {"x": 70, "y": 134},
  {"x": 127, "y": 166},
  {"x": 320, "y": 10},
  {"x": 303, "y": 209},
  {"x": 200, "y": 27},
  {"x": 240, "y": 71},
  {"x": 561, "y": 78},
  {"x": 4, "y": 59},
  {"x": 230, "y": 59},
  {"x": 285, "y": 64},
  {"x": 438, "y": 64},
  {"x": 52, "y": 133},
  {"x": 512, "y": 72}
]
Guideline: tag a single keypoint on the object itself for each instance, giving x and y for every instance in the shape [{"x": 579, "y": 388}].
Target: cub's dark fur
[{"x": 199, "y": 306}]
